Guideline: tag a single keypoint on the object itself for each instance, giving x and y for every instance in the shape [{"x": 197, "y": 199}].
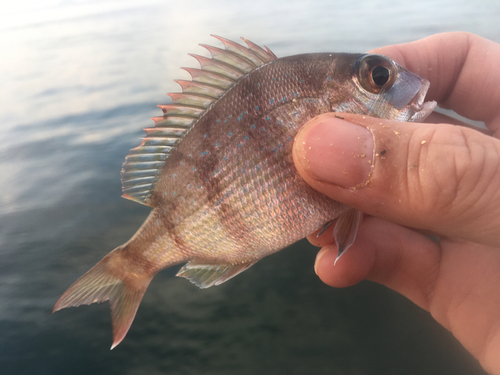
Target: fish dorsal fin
[
  {"x": 207, "y": 275},
  {"x": 217, "y": 75}
]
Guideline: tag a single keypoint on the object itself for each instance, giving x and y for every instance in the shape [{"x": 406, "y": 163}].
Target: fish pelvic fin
[
  {"x": 207, "y": 275},
  {"x": 346, "y": 229},
  {"x": 102, "y": 283}
]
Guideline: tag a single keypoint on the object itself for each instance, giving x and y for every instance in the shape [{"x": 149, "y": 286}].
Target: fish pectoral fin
[
  {"x": 346, "y": 229},
  {"x": 207, "y": 275}
]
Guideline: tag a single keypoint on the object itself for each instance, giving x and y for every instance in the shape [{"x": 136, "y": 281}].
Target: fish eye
[
  {"x": 380, "y": 75},
  {"x": 376, "y": 72}
]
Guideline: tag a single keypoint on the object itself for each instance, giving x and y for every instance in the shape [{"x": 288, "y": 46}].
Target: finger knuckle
[{"x": 450, "y": 162}]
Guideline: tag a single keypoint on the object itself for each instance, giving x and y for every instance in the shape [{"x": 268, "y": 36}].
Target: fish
[{"x": 217, "y": 167}]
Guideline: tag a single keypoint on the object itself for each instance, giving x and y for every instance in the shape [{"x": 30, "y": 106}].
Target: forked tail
[{"x": 106, "y": 282}]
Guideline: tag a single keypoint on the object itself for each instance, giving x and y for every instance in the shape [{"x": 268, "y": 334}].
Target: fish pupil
[{"x": 380, "y": 75}]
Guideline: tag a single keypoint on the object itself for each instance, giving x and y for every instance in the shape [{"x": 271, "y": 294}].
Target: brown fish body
[
  {"x": 229, "y": 193},
  {"x": 225, "y": 192}
]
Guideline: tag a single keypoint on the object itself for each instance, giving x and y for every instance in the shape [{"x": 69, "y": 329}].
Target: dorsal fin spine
[
  {"x": 211, "y": 78},
  {"x": 271, "y": 52},
  {"x": 217, "y": 75},
  {"x": 173, "y": 121},
  {"x": 193, "y": 87},
  {"x": 195, "y": 99},
  {"x": 219, "y": 67},
  {"x": 181, "y": 110},
  {"x": 197, "y": 84},
  {"x": 241, "y": 50},
  {"x": 266, "y": 54},
  {"x": 226, "y": 56}
]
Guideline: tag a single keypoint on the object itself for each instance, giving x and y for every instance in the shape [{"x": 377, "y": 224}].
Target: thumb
[{"x": 437, "y": 177}]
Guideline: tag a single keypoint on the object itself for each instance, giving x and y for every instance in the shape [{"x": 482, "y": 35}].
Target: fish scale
[
  {"x": 234, "y": 165},
  {"x": 218, "y": 171}
]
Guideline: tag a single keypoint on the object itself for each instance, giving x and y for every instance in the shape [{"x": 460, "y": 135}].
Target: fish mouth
[{"x": 421, "y": 108}]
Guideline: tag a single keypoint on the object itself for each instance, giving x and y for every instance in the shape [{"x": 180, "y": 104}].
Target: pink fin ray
[
  {"x": 99, "y": 285},
  {"x": 181, "y": 110},
  {"x": 193, "y": 87},
  {"x": 230, "y": 58},
  {"x": 265, "y": 54},
  {"x": 171, "y": 120},
  {"x": 214, "y": 79},
  {"x": 217, "y": 75},
  {"x": 219, "y": 67},
  {"x": 271, "y": 53},
  {"x": 190, "y": 99},
  {"x": 241, "y": 50}
]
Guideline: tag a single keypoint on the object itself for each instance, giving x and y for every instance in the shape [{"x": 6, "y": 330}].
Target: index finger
[{"x": 463, "y": 69}]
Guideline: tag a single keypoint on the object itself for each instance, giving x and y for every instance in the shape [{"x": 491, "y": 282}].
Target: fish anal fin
[
  {"x": 346, "y": 229},
  {"x": 99, "y": 285},
  {"x": 207, "y": 275}
]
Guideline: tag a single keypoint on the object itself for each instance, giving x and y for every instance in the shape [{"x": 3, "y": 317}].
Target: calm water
[{"x": 79, "y": 80}]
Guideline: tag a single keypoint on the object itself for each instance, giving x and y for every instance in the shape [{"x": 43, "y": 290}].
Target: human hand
[{"x": 435, "y": 178}]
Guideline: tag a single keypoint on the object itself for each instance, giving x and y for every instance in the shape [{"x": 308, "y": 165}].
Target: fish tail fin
[{"x": 103, "y": 283}]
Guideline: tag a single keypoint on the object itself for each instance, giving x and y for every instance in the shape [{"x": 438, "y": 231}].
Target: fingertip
[
  {"x": 353, "y": 267},
  {"x": 323, "y": 237},
  {"x": 386, "y": 253}
]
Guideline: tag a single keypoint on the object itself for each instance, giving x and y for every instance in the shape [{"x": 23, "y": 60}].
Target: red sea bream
[{"x": 217, "y": 168}]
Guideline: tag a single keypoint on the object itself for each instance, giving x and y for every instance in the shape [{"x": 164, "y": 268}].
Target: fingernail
[
  {"x": 335, "y": 151},
  {"x": 320, "y": 255},
  {"x": 330, "y": 252}
]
